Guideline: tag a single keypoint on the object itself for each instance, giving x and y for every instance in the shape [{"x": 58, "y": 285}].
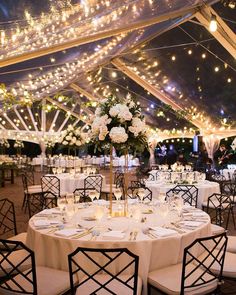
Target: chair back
[
  {"x": 27, "y": 179},
  {"x": 197, "y": 269},
  {"x": 189, "y": 193},
  {"x": 109, "y": 271},
  {"x": 16, "y": 279},
  {"x": 50, "y": 186},
  {"x": 93, "y": 182},
  {"x": 7, "y": 218}
]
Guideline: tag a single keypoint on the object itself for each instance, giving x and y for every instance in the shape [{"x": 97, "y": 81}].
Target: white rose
[
  {"x": 73, "y": 139},
  {"x": 78, "y": 143},
  {"x": 70, "y": 128},
  {"x": 68, "y": 137},
  {"x": 118, "y": 135},
  {"x": 65, "y": 142}
]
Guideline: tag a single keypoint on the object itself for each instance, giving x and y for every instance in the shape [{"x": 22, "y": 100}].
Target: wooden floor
[{"x": 14, "y": 192}]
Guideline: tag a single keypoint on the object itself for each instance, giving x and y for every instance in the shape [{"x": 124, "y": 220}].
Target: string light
[{"x": 213, "y": 23}]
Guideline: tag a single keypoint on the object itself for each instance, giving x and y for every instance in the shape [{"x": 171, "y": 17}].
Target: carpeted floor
[{"x": 14, "y": 192}]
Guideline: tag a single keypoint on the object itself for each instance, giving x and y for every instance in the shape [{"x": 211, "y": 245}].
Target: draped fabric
[{"x": 212, "y": 143}]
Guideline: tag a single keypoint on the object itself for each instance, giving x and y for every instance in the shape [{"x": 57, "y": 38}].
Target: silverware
[
  {"x": 131, "y": 235},
  {"x": 85, "y": 233},
  {"x": 147, "y": 232},
  {"x": 135, "y": 235}
]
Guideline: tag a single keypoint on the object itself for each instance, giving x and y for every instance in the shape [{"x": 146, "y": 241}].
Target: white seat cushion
[
  {"x": 168, "y": 280},
  {"x": 115, "y": 286},
  {"x": 15, "y": 257},
  {"x": 216, "y": 229},
  {"x": 231, "y": 246},
  {"x": 20, "y": 237},
  {"x": 34, "y": 189},
  {"x": 229, "y": 269},
  {"x": 49, "y": 282}
]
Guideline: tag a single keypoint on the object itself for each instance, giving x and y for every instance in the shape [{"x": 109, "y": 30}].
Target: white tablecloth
[
  {"x": 205, "y": 189},
  {"x": 52, "y": 250},
  {"x": 228, "y": 173}
]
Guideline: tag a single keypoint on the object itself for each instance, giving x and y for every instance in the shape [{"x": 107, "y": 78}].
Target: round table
[
  {"x": 205, "y": 189},
  {"x": 51, "y": 250},
  {"x": 227, "y": 173}
]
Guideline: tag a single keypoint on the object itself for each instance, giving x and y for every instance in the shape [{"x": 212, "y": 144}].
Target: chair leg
[{"x": 232, "y": 212}]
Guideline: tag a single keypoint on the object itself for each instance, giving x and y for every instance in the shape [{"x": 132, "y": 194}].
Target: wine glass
[
  {"x": 77, "y": 197},
  {"x": 162, "y": 197},
  {"x": 117, "y": 193},
  {"x": 54, "y": 170},
  {"x": 92, "y": 194},
  {"x": 70, "y": 199},
  {"x": 178, "y": 203},
  {"x": 141, "y": 194},
  {"x": 61, "y": 203},
  {"x": 164, "y": 209}
]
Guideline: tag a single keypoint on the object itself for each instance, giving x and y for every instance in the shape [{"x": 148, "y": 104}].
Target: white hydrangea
[
  {"x": 68, "y": 137},
  {"x": 98, "y": 111},
  {"x": 100, "y": 122},
  {"x": 103, "y": 132},
  {"x": 65, "y": 142},
  {"x": 138, "y": 126},
  {"x": 78, "y": 143},
  {"x": 121, "y": 111},
  {"x": 118, "y": 135}
]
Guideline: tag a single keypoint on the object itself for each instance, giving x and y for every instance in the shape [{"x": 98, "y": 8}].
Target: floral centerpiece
[
  {"x": 49, "y": 144},
  {"x": 72, "y": 138},
  {"x": 118, "y": 123},
  {"x": 18, "y": 144}
]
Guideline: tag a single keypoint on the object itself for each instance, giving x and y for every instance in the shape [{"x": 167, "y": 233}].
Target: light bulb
[{"x": 213, "y": 23}]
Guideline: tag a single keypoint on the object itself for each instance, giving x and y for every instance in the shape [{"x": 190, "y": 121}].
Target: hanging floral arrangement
[
  {"x": 119, "y": 122},
  {"x": 18, "y": 144}
]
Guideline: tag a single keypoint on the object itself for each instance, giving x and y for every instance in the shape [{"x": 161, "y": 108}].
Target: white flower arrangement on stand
[
  {"x": 119, "y": 123},
  {"x": 4, "y": 143},
  {"x": 72, "y": 138}
]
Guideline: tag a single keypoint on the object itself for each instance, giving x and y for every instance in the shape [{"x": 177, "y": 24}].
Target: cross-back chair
[
  {"x": 189, "y": 193},
  {"x": 91, "y": 182},
  {"x": 219, "y": 206},
  {"x": 194, "y": 275},
  {"x": 51, "y": 190},
  {"x": 104, "y": 271},
  {"x": 22, "y": 276},
  {"x": 134, "y": 192}
]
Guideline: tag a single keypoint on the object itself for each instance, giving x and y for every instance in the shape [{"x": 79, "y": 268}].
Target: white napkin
[
  {"x": 68, "y": 232},
  {"x": 113, "y": 235},
  {"x": 199, "y": 214},
  {"x": 48, "y": 212},
  {"x": 45, "y": 222},
  {"x": 162, "y": 232},
  {"x": 191, "y": 224}
]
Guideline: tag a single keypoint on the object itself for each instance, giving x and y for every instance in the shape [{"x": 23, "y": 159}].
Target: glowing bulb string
[{"x": 208, "y": 50}]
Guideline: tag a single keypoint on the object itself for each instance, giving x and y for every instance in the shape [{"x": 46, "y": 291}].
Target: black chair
[
  {"x": 189, "y": 193},
  {"x": 35, "y": 280},
  {"x": 137, "y": 183},
  {"x": 104, "y": 271},
  {"x": 194, "y": 274},
  {"x": 92, "y": 182},
  {"x": 217, "y": 206},
  {"x": 32, "y": 194},
  {"x": 229, "y": 188},
  {"x": 134, "y": 192},
  {"x": 51, "y": 190},
  {"x": 8, "y": 228}
]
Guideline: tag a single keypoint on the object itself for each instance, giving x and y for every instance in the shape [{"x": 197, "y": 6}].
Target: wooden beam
[
  {"x": 11, "y": 122},
  {"x": 152, "y": 89},
  {"x": 223, "y": 34},
  {"x": 98, "y": 36},
  {"x": 64, "y": 108},
  {"x": 54, "y": 120},
  {"x": 32, "y": 118},
  {"x": 20, "y": 118}
]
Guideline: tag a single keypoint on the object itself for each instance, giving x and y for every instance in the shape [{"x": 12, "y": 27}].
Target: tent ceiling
[{"x": 74, "y": 48}]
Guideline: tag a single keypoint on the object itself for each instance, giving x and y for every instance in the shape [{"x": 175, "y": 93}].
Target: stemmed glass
[
  {"x": 162, "y": 197},
  {"x": 118, "y": 194},
  {"x": 54, "y": 170},
  {"x": 178, "y": 203},
  {"x": 77, "y": 197},
  {"x": 92, "y": 194},
  {"x": 141, "y": 194},
  {"x": 61, "y": 203}
]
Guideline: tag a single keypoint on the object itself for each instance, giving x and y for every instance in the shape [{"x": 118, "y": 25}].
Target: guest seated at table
[{"x": 162, "y": 154}]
